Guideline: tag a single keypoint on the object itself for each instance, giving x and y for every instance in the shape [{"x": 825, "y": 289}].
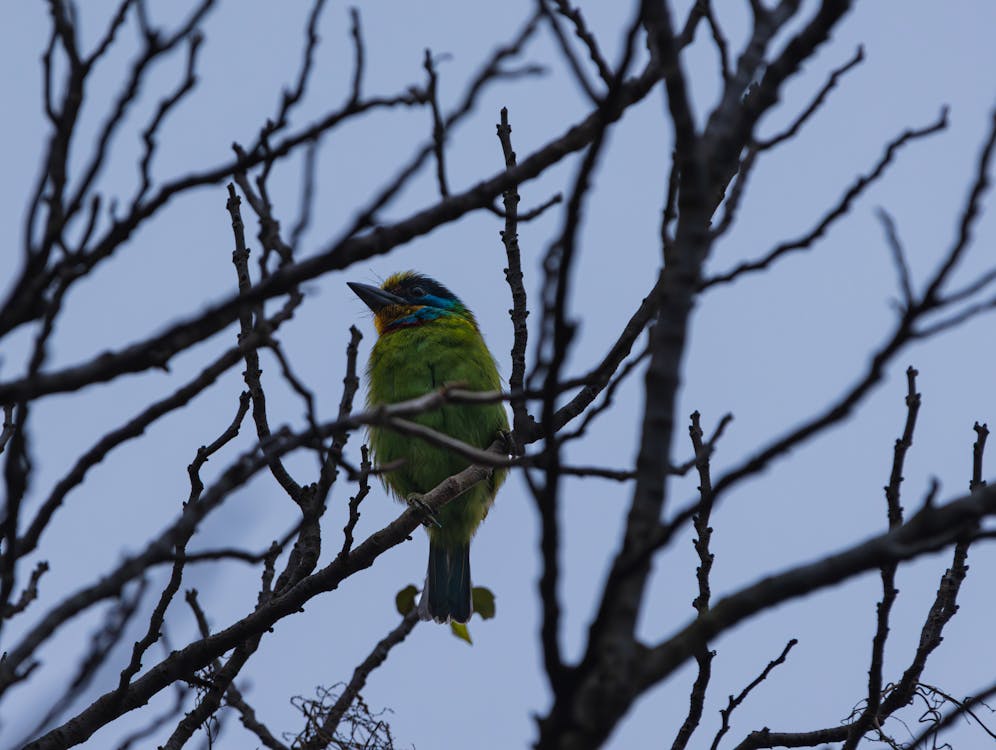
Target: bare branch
[
  {"x": 734, "y": 702},
  {"x": 898, "y": 258},
  {"x": 814, "y": 106},
  {"x": 112, "y": 29},
  {"x": 718, "y": 38},
  {"x": 8, "y": 427},
  {"x": 358, "y": 53},
  {"x": 102, "y": 642},
  {"x": 220, "y": 685},
  {"x": 438, "y": 127},
  {"x": 961, "y": 708},
  {"x": 290, "y": 98},
  {"x": 156, "y": 350},
  {"x": 594, "y": 412},
  {"x": 522, "y": 420},
  {"x": 931, "y": 528},
  {"x": 354, "y": 502},
  {"x": 568, "y": 53},
  {"x": 156, "y": 46},
  {"x": 839, "y": 210},
  {"x": 703, "y": 535},
  {"x": 247, "y": 715},
  {"x": 73, "y": 224},
  {"x": 583, "y": 33},
  {"x": 150, "y": 132},
  {"x": 158, "y": 615},
  {"x": 252, "y": 374},
  {"x": 556, "y": 333},
  {"x": 307, "y": 197},
  {"x": 159, "y": 721},
  {"x": 321, "y": 730},
  {"x": 136, "y": 427},
  {"x": 869, "y": 717},
  {"x": 969, "y": 217},
  {"x": 29, "y": 594},
  {"x": 199, "y": 654}
]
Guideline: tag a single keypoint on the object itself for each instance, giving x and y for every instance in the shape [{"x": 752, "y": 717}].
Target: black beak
[{"x": 375, "y": 297}]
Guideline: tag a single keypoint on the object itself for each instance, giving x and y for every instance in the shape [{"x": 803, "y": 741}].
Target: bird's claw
[
  {"x": 508, "y": 442},
  {"x": 429, "y": 518}
]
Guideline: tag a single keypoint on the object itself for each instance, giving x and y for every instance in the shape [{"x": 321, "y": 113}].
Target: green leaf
[
  {"x": 404, "y": 600},
  {"x": 460, "y": 631},
  {"x": 484, "y": 602}
]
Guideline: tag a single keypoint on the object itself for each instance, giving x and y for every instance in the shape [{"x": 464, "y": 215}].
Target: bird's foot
[
  {"x": 429, "y": 518},
  {"x": 508, "y": 442}
]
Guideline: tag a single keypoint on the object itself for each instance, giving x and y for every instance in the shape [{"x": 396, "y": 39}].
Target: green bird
[{"x": 427, "y": 338}]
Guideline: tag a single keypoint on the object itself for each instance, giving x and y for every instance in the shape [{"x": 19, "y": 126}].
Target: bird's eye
[{"x": 417, "y": 291}]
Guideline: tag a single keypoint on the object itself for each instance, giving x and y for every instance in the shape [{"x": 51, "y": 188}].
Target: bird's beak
[{"x": 375, "y": 297}]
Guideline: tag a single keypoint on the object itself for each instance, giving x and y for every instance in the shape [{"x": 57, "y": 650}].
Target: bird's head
[{"x": 408, "y": 299}]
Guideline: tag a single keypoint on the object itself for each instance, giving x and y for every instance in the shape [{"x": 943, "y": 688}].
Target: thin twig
[
  {"x": 30, "y": 592},
  {"x": 521, "y": 419},
  {"x": 252, "y": 374},
  {"x": 158, "y": 615},
  {"x": 359, "y": 55},
  {"x": 767, "y": 144},
  {"x": 321, "y": 730},
  {"x": 568, "y": 53},
  {"x": 736, "y": 701},
  {"x": 869, "y": 717},
  {"x": 898, "y": 258},
  {"x": 961, "y": 708},
  {"x": 583, "y": 33},
  {"x": 438, "y": 126},
  {"x": 703, "y": 535},
  {"x": 969, "y": 216},
  {"x": 839, "y": 210},
  {"x": 8, "y": 427}
]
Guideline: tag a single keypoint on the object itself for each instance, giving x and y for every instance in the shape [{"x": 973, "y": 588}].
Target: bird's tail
[{"x": 447, "y": 584}]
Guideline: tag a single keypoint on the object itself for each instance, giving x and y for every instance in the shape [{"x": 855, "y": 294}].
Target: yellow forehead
[{"x": 396, "y": 279}]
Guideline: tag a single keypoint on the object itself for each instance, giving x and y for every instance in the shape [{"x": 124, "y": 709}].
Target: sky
[{"x": 772, "y": 349}]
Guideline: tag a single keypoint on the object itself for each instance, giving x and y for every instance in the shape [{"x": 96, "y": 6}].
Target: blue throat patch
[{"x": 436, "y": 307}]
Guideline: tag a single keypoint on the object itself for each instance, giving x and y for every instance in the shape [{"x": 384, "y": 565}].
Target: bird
[{"x": 428, "y": 338}]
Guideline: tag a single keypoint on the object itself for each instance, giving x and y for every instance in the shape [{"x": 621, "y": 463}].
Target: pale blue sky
[{"x": 772, "y": 349}]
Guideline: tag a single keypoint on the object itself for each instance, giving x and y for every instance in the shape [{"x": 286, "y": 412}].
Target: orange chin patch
[{"x": 387, "y": 315}]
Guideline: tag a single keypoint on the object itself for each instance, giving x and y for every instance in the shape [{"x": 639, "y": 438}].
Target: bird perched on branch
[{"x": 428, "y": 338}]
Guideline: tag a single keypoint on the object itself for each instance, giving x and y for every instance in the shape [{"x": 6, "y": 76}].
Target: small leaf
[
  {"x": 404, "y": 600},
  {"x": 484, "y": 602},
  {"x": 460, "y": 631}
]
